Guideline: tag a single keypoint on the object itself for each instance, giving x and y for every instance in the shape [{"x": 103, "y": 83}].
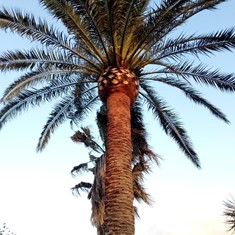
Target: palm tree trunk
[{"x": 119, "y": 212}]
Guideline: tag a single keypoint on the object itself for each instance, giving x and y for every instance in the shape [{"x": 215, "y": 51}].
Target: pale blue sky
[{"x": 35, "y": 195}]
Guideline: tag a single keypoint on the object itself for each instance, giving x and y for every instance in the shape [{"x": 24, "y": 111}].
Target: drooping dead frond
[
  {"x": 138, "y": 177},
  {"x": 84, "y": 136},
  {"x": 82, "y": 186},
  {"x": 79, "y": 169},
  {"x": 97, "y": 193}
]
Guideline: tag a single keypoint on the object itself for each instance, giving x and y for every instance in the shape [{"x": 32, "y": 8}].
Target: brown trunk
[{"x": 119, "y": 212}]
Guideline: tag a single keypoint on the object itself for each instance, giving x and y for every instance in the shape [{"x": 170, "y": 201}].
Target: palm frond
[
  {"x": 84, "y": 136},
  {"x": 141, "y": 149},
  {"x": 83, "y": 167},
  {"x": 64, "y": 11},
  {"x": 192, "y": 94},
  {"x": 82, "y": 186},
  {"x": 85, "y": 97},
  {"x": 58, "y": 115},
  {"x": 202, "y": 44},
  {"x": 130, "y": 13},
  {"x": 156, "y": 21},
  {"x": 101, "y": 120},
  {"x": 92, "y": 12},
  {"x": 63, "y": 111},
  {"x": 95, "y": 17},
  {"x": 139, "y": 191},
  {"x": 26, "y": 99},
  {"x": 202, "y": 75},
  {"x": 34, "y": 96},
  {"x": 166, "y": 17},
  {"x": 109, "y": 18},
  {"x": 169, "y": 122},
  {"x": 83, "y": 110},
  {"x": 55, "y": 78},
  {"x": 18, "y": 60},
  {"x": 125, "y": 16},
  {"x": 229, "y": 213},
  {"x": 26, "y": 25},
  {"x": 175, "y": 13},
  {"x": 97, "y": 193}
]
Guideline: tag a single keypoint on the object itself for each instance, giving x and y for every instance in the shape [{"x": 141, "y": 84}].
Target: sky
[{"x": 35, "y": 195}]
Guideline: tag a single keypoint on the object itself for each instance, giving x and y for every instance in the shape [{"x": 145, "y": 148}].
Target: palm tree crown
[
  {"x": 105, "y": 37},
  {"x": 105, "y": 55}
]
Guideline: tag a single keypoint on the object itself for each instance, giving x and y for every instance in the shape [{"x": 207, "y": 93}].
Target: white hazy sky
[{"x": 35, "y": 196}]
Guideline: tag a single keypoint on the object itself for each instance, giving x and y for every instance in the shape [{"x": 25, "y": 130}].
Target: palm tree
[
  {"x": 105, "y": 55},
  {"x": 142, "y": 157},
  {"x": 229, "y": 212}
]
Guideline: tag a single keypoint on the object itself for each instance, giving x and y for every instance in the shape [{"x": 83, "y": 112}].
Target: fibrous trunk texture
[{"x": 119, "y": 211}]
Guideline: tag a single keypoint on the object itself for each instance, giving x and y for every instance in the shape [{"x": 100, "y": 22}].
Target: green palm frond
[
  {"x": 62, "y": 112},
  {"x": 65, "y": 12},
  {"x": 26, "y": 25},
  {"x": 33, "y": 97},
  {"x": 57, "y": 78},
  {"x": 57, "y": 116},
  {"x": 176, "y": 48},
  {"x": 169, "y": 121},
  {"x": 22, "y": 101},
  {"x": 192, "y": 94},
  {"x": 156, "y": 23},
  {"x": 171, "y": 14},
  {"x": 18, "y": 60},
  {"x": 82, "y": 111},
  {"x": 130, "y": 18},
  {"x": 165, "y": 18},
  {"x": 85, "y": 98},
  {"x": 91, "y": 13},
  {"x": 202, "y": 44},
  {"x": 202, "y": 75},
  {"x": 94, "y": 16}
]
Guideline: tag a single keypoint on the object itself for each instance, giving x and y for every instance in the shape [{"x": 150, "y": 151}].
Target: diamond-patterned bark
[{"x": 118, "y": 80}]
